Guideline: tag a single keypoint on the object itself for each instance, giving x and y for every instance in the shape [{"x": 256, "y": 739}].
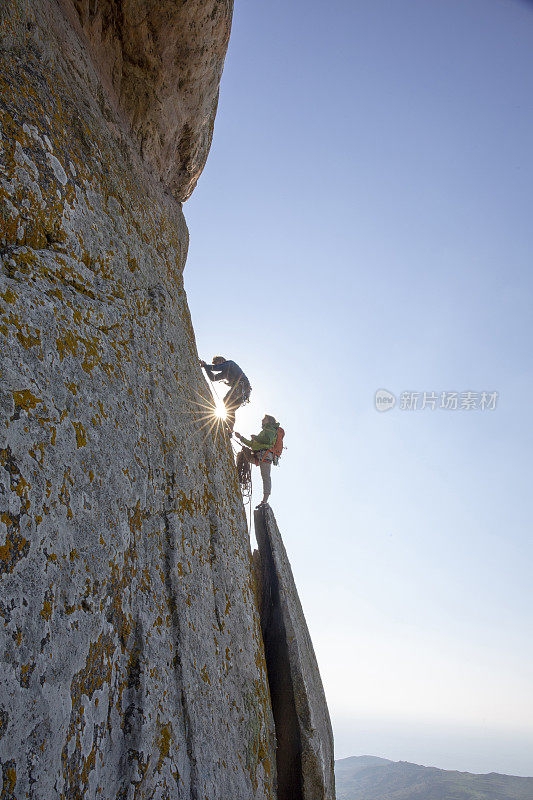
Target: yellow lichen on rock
[{"x": 123, "y": 543}]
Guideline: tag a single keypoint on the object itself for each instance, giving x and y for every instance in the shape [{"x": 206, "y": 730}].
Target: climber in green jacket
[{"x": 259, "y": 451}]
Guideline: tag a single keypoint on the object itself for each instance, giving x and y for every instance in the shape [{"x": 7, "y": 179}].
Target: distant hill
[{"x": 371, "y": 778}]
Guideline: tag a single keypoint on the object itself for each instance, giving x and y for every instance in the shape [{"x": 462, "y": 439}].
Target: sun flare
[
  {"x": 211, "y": 413},
  {"x": 220, "y": 410}
]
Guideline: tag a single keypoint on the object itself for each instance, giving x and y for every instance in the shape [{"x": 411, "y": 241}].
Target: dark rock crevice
[
  {"x": 288, "y": 749},
  {"x": 303, "y": 729}
]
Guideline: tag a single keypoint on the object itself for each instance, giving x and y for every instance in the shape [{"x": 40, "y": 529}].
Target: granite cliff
[{"x": 133, "y": 656}]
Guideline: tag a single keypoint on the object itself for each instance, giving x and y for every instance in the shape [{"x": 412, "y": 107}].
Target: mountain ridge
[{"x": 372, "y": 778}]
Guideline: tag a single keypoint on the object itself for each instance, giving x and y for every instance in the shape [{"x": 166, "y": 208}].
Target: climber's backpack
[{"x": 277, "y": 447}]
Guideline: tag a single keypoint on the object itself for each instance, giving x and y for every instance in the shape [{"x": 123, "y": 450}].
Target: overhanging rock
[{"x": 305, "y": 761}]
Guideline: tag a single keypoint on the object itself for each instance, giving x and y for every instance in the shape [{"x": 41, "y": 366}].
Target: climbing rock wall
[
  {"x": 132, "y": 658},
  {"x": 305, "y": 762},
  {"x": 161, "y": 62}
]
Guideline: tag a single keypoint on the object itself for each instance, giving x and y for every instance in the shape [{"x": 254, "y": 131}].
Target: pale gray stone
[
  {"x": 132, "y": 658},
  {"x": 133, "y": 664}
]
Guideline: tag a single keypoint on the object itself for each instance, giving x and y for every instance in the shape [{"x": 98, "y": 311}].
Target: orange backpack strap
[{"x": 277, "y": 447}]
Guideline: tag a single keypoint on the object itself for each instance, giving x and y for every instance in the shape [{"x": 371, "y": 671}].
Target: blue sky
[{"x": 364, "y": 222}]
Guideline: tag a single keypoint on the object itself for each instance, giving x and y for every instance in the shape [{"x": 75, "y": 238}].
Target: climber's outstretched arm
[{"x": 212, "y": 369}]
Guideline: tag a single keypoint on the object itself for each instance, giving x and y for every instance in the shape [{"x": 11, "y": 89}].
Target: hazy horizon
[
  {"x": 419, "y": 764},
  {"x": 364, "y": 222},
  {"x": 467, "y": 749}
]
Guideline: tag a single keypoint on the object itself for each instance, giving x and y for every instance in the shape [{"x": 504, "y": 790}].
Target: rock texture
[
  {"x": 161, "y": 62},
  {"x": 133, "y": 663},
  {"x": 303, "y": 728},
  {"x": 132, "y": 658}
]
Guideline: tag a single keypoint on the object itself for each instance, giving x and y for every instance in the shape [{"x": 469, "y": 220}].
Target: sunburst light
[
  {"x": 211, "y": 413},
  {"x": 220, "y": 411}
]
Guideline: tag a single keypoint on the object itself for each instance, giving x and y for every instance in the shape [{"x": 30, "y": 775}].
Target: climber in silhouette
[
  {"x": 239, "y": 393},
  {"x": 262, "y": 450}
]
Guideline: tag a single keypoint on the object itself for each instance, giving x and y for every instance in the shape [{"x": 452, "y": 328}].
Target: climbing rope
[
  {"x": 215, "y": 395},
  {"x": 244, "y": 474}
]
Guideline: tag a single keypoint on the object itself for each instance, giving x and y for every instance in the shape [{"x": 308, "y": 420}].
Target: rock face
[
  {"x": 132, "y": 659},
  {"x": 303, "y": 728},
  {"x": 133, "y": 664},
  {"x": 161, "y": 62}
]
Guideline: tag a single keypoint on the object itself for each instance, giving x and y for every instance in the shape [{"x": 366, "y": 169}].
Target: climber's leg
[
  {"x": 233, "y": 400},
  {"x": 265, "y": 467},
  {"x": 230, "y": 417}
]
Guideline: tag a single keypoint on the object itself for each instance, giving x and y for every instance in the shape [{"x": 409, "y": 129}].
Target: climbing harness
[{"x": 240, "y": 392}]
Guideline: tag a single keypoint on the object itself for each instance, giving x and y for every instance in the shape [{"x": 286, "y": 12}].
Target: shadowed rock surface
[
  {"x": 161, "y": 62},
  {"x": 303, "y": 728}
]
